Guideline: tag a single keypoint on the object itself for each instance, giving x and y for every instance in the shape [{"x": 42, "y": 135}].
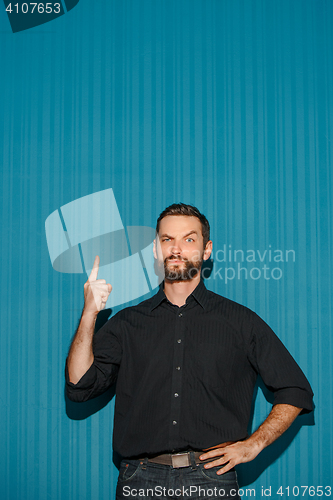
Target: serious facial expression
[{"x": 179, "y": 247}]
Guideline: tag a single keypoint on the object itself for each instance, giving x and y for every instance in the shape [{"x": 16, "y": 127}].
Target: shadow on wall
[{"x": 249, "y": 472}]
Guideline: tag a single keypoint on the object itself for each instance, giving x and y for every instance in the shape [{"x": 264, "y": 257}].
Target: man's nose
[{"x": 176, "y": 249}]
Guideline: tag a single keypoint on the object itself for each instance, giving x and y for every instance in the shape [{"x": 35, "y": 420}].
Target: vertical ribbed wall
[{"x": 226, "y": 104}]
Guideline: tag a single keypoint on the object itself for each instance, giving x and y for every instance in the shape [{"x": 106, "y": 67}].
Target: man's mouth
[{"x": 174, "y": 260}]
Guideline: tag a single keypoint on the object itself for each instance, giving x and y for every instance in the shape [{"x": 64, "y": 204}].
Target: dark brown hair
[{"x": 190, "y": 211}]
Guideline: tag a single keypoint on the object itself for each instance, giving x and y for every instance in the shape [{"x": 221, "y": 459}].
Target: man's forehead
[{"x": 180, "y": 224}]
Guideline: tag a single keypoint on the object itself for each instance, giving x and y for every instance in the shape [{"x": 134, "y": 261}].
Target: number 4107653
[{"x": 30, "y": 8}]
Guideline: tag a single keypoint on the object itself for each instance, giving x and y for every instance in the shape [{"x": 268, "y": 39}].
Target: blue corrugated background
[{"x": 226, "y": 104}]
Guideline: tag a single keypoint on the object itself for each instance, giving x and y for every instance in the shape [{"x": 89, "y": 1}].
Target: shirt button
[
  {"x": 179, "y": 341},
  {"x": 176, "y": 394},
  {"x": 178, "y": 368},
  {"x": 174, "y": 422},
  {"x": 180, "y": 315}
]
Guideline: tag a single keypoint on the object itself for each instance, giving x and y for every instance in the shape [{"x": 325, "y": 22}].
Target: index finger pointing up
[{"x": 94, "y": 271}]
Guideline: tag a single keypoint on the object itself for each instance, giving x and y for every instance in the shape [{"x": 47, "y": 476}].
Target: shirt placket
[{"x": 177, "y": 376}]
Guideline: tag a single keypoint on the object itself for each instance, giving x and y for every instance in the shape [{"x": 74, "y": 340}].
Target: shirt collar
[{"x": 200, "y": 294}]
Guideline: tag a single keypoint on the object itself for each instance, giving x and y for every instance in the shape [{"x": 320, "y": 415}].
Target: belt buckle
[{"x": 180, "y": 460}]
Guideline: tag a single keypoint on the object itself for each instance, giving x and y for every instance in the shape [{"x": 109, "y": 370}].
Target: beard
[{"x": 181, "y": 273}]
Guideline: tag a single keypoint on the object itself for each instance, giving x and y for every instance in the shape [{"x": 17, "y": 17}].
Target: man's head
[
  {"x": 182, "y": 241},
  {"x": 190, "y": 211}
]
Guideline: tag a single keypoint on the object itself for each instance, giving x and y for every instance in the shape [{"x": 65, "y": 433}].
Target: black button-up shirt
[{"x": 186, "y": 375}]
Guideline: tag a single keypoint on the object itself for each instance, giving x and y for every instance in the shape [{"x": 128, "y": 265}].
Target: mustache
[{"x": 174, "y": 257}]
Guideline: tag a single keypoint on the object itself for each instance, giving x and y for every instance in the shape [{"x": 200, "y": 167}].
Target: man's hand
[
  {"x": 231, "y": 455},
  {"x": 278, "y": 421},
  {"x": 96, "y": 292},
  {"x": 81, "y": 356}
]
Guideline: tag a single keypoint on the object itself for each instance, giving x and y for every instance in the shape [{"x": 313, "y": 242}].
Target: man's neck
[{"x": 178, "y": 291}]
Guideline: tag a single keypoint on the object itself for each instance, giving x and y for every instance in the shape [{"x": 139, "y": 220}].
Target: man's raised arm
[{"x": 80, "y": 356}]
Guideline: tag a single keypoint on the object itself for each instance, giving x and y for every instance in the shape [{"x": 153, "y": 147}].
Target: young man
[{"x": 186, "y": 363}]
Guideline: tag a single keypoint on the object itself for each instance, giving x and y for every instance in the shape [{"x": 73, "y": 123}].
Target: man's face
[{"x": 179, "y": 247}]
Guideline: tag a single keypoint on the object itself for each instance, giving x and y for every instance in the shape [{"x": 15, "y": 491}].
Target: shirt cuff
[
  {"x": 79, "y": 392},
  {"x": 295, "y": 396}
]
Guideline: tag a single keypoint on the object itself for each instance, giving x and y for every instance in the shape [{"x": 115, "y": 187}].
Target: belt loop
[
  {"x": 193, "y": 464},
  {"x": 144, "y": 463}
]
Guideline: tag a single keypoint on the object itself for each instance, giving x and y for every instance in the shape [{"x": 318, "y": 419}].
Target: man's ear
[{"x": 208, "y": 250}]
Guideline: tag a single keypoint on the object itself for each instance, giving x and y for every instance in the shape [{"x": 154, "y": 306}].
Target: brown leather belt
[{"x": 178, "y": 460}]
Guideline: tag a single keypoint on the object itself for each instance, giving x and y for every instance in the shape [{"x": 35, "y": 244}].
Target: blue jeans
[{"x": 146, "y": 480}]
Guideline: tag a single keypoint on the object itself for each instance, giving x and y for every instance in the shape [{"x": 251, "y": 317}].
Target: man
[{"x": 186, "y": 363}]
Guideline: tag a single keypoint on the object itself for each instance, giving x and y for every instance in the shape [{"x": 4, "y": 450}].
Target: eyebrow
[{"x": 185, "y": 235}]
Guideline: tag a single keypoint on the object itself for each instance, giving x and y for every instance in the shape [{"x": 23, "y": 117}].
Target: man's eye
[
  {"x": 166, "y": 239},
  {"x": 189, "y": 239}
]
